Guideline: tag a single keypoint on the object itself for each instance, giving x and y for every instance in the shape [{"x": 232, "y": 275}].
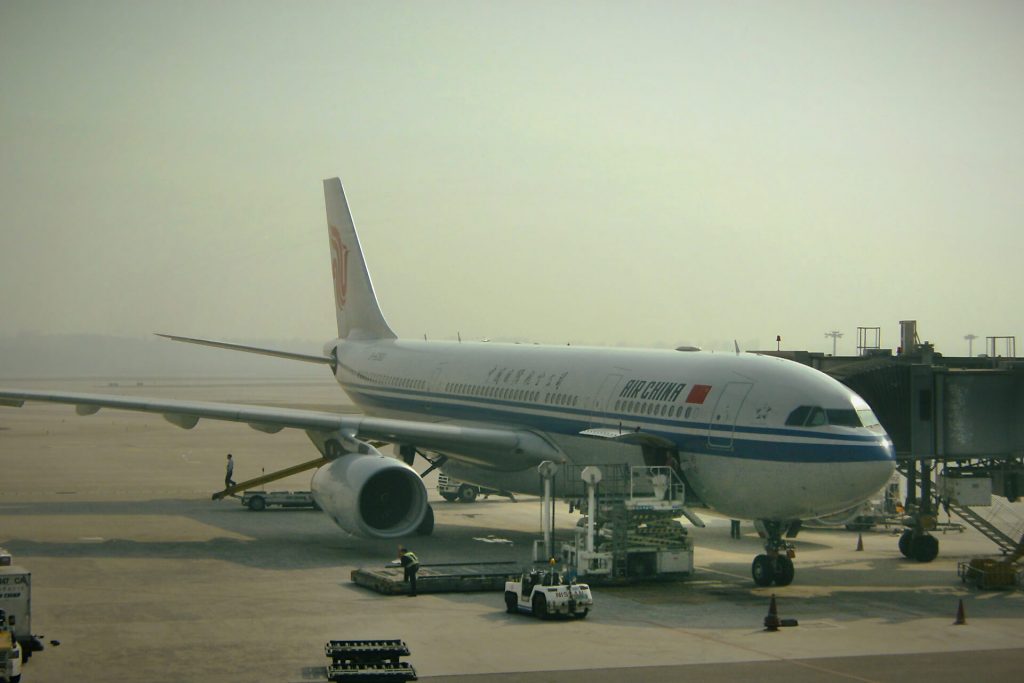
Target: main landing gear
[{"x": 776, "y": 564}]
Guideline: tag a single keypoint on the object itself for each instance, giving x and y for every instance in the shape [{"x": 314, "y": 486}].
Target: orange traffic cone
[
  {"x": 771, "y": 621},
  {"x": 961, "y": 620},
  {"x": 860, "y": 542}
]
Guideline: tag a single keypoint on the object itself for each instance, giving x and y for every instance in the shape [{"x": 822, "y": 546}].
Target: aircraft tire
[
  {"x": 257, "y": 503},
  {"x": 467, "y": 493},
  {"x": 511, "y": 602},
  {"x": 540, "y": 606},
  {"x": 762, "y": 571},
  {"x": 905, "y": 540},
  {"x": 924, "y": 548},
  {"x": 784, "y": 571}
]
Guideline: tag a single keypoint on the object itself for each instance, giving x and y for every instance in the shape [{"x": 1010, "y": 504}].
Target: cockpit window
[
  {"x": 868, "y": 418},
  {"x": 798, "y": 416},
  {"x": 844, "y": 418},
  {"x": 815, "y": 416}
]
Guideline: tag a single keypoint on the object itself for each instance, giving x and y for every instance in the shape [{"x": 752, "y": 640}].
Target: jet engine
[{"x": 371, "y": 495}]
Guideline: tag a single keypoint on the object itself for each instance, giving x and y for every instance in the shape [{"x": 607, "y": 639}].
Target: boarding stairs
[
  {"x": 990, "y": 530},
  {"x": 267, "y": 478}
]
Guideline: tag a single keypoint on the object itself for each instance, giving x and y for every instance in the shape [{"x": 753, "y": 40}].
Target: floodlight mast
[
  {"x": 835, "y": 334},
  {"x": 970, "y": 344}
]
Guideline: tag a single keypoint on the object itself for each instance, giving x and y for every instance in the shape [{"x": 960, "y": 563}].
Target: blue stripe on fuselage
[{"x": 745, "y": 445}]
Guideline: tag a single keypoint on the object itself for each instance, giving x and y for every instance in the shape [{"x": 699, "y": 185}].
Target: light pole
[
  {"x": 970, "y": 343},
  {"x": 835, "y": 334}
]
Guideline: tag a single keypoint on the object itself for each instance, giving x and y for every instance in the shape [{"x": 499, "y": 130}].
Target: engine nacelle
[{"x": 371, "y": 495}]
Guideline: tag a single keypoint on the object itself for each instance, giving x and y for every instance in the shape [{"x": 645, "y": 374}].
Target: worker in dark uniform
[
  {"x": 229, "y": 472},
  {"x": 411, "y": 565}
]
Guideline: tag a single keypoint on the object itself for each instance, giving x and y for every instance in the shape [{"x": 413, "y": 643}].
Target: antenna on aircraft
[
  {"x": 737, "y": 345},
  {"x": 459, "y": 335}
]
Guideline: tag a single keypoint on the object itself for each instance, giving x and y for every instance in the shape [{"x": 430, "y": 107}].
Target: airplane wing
[
  {"x": 495, "y": 447},
  {"x": 304, "y": 357}
]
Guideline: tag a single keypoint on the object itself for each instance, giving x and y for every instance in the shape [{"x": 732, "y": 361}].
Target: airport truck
[
  {"x": 464, "y": 492},
  {"x": 257, "y": 501},
  {"x": 546, "y": 594}
]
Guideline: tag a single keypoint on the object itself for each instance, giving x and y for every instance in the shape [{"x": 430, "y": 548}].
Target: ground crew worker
[
  {"x": 411, "y": 564},
  {"x": 228, "y": 481}
]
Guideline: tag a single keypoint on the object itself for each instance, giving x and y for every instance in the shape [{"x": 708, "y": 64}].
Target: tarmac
[{"x": 141, "y": 577}]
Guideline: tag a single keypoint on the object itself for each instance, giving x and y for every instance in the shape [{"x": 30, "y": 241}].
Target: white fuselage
[{"x": 722, "y": 415}]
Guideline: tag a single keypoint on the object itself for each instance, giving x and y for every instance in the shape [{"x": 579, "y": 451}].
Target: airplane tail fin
[{"x": 359, "y": 314}]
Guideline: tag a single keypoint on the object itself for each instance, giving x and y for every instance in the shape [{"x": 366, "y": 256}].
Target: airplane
[{"x": 754, "y": 437}]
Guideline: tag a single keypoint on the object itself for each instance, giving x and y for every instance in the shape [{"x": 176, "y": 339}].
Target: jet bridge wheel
[
  {"x": 905, "y": 539},
  {"x": 924, "y": 548}
]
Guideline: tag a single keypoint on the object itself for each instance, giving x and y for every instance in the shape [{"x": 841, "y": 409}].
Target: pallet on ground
[{"x": 368, "y": 660}]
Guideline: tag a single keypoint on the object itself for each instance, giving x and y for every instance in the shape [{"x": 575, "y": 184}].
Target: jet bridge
[{"x": 958, "y": 417}]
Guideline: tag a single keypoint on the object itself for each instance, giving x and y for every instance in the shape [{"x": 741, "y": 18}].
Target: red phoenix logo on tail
[{"x": 339, "y": 266}]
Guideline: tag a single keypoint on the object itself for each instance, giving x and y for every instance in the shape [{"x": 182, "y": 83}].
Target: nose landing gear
[{"x": 776, "y": 564}]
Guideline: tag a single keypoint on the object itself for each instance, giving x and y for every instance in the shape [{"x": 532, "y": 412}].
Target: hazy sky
[{"x": 648, "y": 173}]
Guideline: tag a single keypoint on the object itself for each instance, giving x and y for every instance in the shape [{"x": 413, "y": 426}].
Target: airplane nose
[
  {"x": 885, "y": 464},
  {"x": 860, "y": 480}
]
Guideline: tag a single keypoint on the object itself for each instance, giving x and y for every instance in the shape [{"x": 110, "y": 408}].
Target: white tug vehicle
[{"x": 546, "y": 594}]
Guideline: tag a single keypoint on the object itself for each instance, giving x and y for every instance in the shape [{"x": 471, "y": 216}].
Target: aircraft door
[
  {"x": 436, "y": 381},
  {"x": 602, "y": 401},
  {"x": 723, "y": 418}
]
